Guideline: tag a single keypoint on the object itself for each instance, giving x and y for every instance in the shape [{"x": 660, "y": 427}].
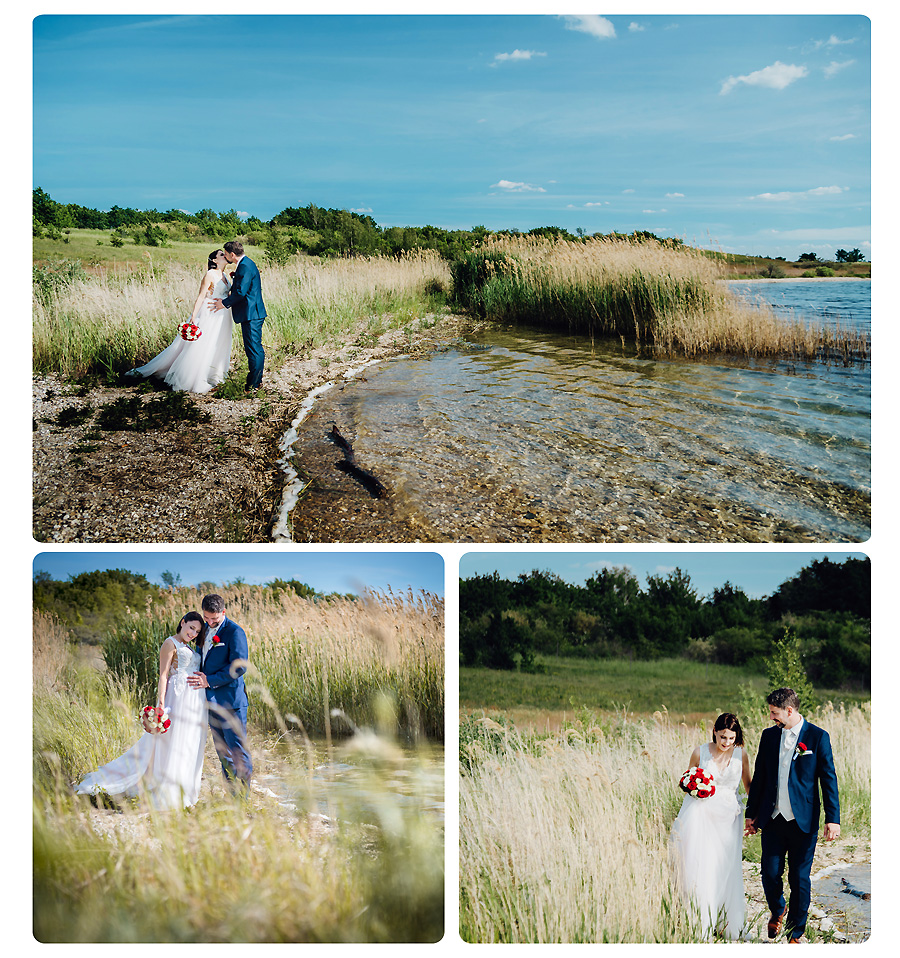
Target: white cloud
[
  {"x": 627, "y": 191},
  {"x": 636, "y": 27},
  {"x": 243, "y": 214},
  {"x": 362, "y": 209},
  {"x": 835, "y": 67},
  {"x": 787, "y": 195},
  {"x": 776, "y": 77},
  {"x": 672, "y": 195},
  {"x": 846, "y": 136},
  {"x": 512, "y": 187},
  {"x": 598, "y": 203},
  {"x": 593, "y": 24},
  {"x": 654, "y": 211},
  {"x": 516, "y": 55},
  {"x": 832, "y": 41}
]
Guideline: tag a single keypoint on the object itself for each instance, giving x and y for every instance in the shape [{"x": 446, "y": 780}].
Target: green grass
[
  {"x": 681, "y": 686},
  {"x": 83, "y": 245}
]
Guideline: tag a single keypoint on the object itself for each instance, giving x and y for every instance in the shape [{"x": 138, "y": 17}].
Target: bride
[
  {"x": 165, "y": 768},
  {"x": 201, "y": 364},
  {"x": 707, "y": 835}
]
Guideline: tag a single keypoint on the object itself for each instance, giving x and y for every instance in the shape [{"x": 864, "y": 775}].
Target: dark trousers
[
  {"x": 251, "y": 332},
  {"x": 229, "y": 732},
  {"x": 784, "y": 840}
]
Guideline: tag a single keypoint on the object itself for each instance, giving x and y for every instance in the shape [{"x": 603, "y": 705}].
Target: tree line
[
  {"x": 310, "y": 229},
  {"x": 506, "y": 624},
  {"x": 90, "y": 604}
]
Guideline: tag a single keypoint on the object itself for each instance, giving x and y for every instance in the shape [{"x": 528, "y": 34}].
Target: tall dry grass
[
  {"x": 360, "y": 656},
  {"x": 564, "y": 838},
  {"x": 658, "y": 296},
  {"x": 116, "y": 320}
]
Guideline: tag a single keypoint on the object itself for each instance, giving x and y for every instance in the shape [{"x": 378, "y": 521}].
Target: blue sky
[
  {"x": 324, "y": 571},
  {"x": 746, "y": 133},
  {"x": 757, "y": 573}
]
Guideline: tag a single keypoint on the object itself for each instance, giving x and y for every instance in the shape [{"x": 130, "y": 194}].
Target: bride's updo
[
  {"x": 194, "y": 617},
  {"x": 211, "y": 262},
  {"x": 728, "y": 721}
]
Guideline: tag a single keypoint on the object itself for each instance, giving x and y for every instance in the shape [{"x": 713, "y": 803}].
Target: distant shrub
[{"x": 824, "y": 271}]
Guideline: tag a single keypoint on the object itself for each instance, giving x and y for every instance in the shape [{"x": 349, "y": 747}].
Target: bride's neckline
[{"x": 722, "y": 765}]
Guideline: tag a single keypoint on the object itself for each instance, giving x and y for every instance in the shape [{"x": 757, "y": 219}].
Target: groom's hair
[
  {"x": 213, "y": 603},
  {"x": 784, "y": 698},
  {"x": 233, "y": 246}
]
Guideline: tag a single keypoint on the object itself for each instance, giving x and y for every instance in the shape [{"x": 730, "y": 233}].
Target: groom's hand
[
  {"x": 198, "y": 681},
  {"x": 832, "y": 831},
  {"x": 750, "y": 826},
  {"x": 217, "y": 304}
]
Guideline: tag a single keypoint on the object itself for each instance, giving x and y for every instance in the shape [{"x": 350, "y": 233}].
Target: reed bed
[
  {"x": 564, "y": 838},
  {"x": 116, "y": 320},
  {"x": 223, "y": 871},
  {"x": 663, "y": 298},
  {"x": 379, "y": 658}
]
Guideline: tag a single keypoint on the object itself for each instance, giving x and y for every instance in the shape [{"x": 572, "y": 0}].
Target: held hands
[
  {"x": 198, "y": 680},
  {"x": 832, "y": 831},
  {"x": 750, "y": 826}
]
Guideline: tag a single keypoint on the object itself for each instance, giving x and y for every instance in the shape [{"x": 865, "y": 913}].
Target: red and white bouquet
[
  {"x": 698, "y": 783},
  {"x": 156, "y": 721},
  {"x": 190, "y": 331}
]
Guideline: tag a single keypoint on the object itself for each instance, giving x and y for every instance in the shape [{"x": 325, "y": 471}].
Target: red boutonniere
[
  {"x": 216, "y": 640},
  {"x": 801, "y": 749}
]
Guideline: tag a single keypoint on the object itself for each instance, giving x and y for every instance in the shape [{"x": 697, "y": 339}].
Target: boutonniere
[
  {"x": 216, "y": 640},
  {"x": 801, "y": 749}
]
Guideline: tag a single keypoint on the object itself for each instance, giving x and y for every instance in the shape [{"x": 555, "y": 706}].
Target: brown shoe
[
  {"x": 775, "y": 923},
  {"x": 795, "y": 941}
]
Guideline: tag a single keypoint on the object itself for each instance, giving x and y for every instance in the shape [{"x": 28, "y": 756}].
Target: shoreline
[{"x": 218, "y": 481}]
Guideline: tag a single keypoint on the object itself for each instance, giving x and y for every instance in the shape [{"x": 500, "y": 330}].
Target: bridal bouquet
[
  {"x": 154, "y": 720},
  {"x": 698, "y": 783},
  {"x": 189, "y": 331}
]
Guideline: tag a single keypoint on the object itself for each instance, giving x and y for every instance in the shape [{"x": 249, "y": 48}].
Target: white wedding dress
[
  {"x": 164, "y": 769},
  {"x": 707, "y": 841},
  {"x": 197, "y": 366}
]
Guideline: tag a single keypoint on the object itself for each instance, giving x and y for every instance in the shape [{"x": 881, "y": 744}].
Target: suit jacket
[
  {"x": 245, "y": 299},
  {"x": 809, "y": 772},
  {"x": 226, "y": 689}
]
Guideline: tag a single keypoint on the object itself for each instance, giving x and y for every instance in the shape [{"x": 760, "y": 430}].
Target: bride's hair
[
  {"x": 194, "y": 617},
  {"x": 211, "y": 262},
  {"x": 728, "y": 721}
]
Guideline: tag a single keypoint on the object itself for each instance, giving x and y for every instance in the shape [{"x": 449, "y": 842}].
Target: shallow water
[
  {"x": 361, "y": 785},
  {"x": 524, "y": 435}
]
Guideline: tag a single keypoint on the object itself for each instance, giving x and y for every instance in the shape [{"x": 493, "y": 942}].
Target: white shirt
[
  {"x": 208, "y": 641},
  {"x": 789, "y": 739}
]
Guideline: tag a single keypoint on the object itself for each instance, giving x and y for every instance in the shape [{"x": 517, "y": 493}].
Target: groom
[
  {"x": 222, "y": 665},
  {"x": 794, "y": 761},
  {"x": 247, "y": 308}
]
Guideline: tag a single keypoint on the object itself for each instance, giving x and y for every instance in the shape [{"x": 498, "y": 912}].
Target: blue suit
[
  {"x": 792, "y": 840},
  {"x": 227, "y": 700},
  {"x": 247, "y": 308}
]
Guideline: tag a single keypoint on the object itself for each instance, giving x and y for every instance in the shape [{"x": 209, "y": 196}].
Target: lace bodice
[
  {"x": 727, "y": 780},
  {"x": 218, "y": 290},
  {"x": 186, "y": 661}
]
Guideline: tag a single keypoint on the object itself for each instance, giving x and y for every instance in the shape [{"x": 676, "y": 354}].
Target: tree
[
  {"x": 170, "y": 579},
  {"x": 785, "y": 670},
  {"x": 854, "y": 256},
  {"x": 808, "y": 258}
]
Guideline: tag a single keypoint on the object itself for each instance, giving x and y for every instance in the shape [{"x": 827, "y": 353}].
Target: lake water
[
  {"x": 369, "y": 785},
  {"x": 523, "y": 435}
]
